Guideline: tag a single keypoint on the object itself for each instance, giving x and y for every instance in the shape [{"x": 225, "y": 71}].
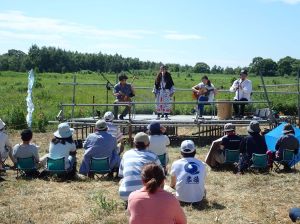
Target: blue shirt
[
  {"x": 98, "y": 145},
  {"x": 130, "y": 169},
  {"x": 126, "y": 90},
  {"x": 254, "y": 143}
]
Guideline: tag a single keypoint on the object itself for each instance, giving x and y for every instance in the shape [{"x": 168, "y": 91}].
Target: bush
[
  {"x": 16, "y": 119},
  {"x": 40, "y": 123}
]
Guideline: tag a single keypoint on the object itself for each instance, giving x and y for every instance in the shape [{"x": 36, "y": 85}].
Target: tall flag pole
[{"x": 30, "y": 106}]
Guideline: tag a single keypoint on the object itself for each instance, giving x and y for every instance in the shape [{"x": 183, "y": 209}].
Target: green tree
[{"x": 201, "y": 67}]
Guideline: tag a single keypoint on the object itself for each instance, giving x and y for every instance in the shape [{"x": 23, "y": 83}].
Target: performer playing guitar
[
  {"x": 123, "y": 93},
  {"x": 204, "y": 91}
]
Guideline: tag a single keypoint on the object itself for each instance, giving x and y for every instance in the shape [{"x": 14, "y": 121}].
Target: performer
[
  {"x": 123, "y": 93},
  {"x": 243, "y": 89},
  {"x": 204, "y": 91},
  {"x": 163, "y": 90}
]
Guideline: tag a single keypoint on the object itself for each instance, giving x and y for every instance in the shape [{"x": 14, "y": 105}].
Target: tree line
[{"x": 51, "y": 59}]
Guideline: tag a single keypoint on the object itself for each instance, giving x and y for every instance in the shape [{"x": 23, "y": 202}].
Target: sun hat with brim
[
  {"x": 101, "y": 125},
  {"x": 229, "y": 127},
  {"x": 253, "y": 127},
  {"x": 64, "y": 131},
  {"x": 141, "y": 137},
  {"x": 154, "y": 127},
  {"x": 108, "y": 116},
  {"x": 2, "y": 124},
  {"x": 187, "y": 146},
  {"x": 288, "y": 128}
]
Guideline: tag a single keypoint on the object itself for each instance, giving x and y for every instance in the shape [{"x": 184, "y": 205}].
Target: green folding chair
[
  {"x": 259, "y": 162},
  {"x": 163, "y": 159},
  {"x": 288, "y": 158},
  {"x": 25, "y": 166},
  {"x": 232, "y": 156},
  {"x": 56, "y": 166},
  {"x": 99, "y": 166}
]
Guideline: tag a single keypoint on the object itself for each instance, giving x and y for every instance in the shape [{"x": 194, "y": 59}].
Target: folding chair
[
  {"x": 25, "y": 166},
  {"x": 99, "y": 166},
  {"x": 260, "y": 162},
  {"x": 56, "y": 166},
  {"x": 288, "y": 158},
  {"x": 163, "y": 159},
  {"x": 232, "y": 156}
]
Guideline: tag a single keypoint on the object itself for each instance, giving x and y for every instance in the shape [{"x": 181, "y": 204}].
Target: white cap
[
  {"x": 2, "y": 124},
  {"x": 187, "y": 146},
  {"x": 108, "y": 116}
]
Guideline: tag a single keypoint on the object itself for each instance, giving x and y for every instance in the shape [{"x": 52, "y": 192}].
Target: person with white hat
[
  {"x": 62, "y": 145},
  {"x": 98, "y": 145},
  {"x": 131, "y": 165},
  {"x": 5, "y": 145},
  {"x": 114, "y": 130},
  {"x": 188, "y": 175}
]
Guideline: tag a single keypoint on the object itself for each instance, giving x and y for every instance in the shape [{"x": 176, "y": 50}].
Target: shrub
[{"x": 16, "y": 118}]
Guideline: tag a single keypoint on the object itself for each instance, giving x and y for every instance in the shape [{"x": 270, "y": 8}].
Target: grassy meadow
[
  {"x": 250, "y": 198},
  {"x": 47, "y": 94}
]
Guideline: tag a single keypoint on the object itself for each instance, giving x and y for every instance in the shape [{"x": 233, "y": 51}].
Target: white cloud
[{"x": 174, "y": 35}]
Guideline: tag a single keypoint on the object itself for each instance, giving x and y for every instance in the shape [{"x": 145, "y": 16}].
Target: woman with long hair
[
  {"x": 151, "y": 203},
  {"x": 163, "y": 90}
]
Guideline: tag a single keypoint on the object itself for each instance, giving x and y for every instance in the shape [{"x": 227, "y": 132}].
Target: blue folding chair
[
  {"x": 288, "y": 158},
  {"x": 259, "y": 162},
  {"x": 163, "y": 159},
  {"x": 56, "y": 166},
  {"x": 232, "y": 156},
  {"x": 25, "y": 166},
  {"x": 99, "y": 166}
]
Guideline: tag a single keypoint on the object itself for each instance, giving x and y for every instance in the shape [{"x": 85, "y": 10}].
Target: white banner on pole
[{"x": 30, "y": 106}]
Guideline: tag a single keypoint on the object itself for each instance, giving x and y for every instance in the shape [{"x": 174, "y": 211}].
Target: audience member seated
[
  {"x": 131, "y": 165},
  {"x": 114, "y": 130},
  {"x": 62, "y": 145},
  {"x": 151, "y": 203},
  {"x": 230, "y": 141},
  {"x": 294, "y": 214},
  {"x": 158, "y": 141},
  {"x": 26, "y": 149},
  {"x": 5, "y": 146},
  {"x": 253, "y": 143},
  {"x": 98, "y": 145},
  {"x": 188, "y": 175},
  {"x": 287, "y": 142}
]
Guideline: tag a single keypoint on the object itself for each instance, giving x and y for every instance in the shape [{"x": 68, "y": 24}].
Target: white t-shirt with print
[
  {"x": 60, "y": 150},
  {"x": 158, "y": 144},
  {"x": 190, "y": 178}
]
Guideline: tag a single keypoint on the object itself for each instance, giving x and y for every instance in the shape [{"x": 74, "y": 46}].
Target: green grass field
[{"x": 47, "y": 94}]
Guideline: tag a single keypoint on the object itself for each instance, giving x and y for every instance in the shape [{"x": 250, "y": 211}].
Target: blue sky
[{"x": 225, "y": 33}]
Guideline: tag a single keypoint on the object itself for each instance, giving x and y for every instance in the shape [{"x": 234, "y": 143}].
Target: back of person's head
[
  {"x": 152, "y": 177},
  {"x": 26, "y": 135},
  {"x": 154, "y": 128},
  {"x": 288, "y": 129},
  {"x": 101, "y": 125},
  {"x": 141, "y": 140},
  {"x": 253, "y": 128},
  {"x": 188, "y": 148},
  {"x": 229, "y": 129},
  {"x": 108, "y": 116}
]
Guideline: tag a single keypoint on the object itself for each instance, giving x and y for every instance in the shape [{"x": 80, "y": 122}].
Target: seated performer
[
  {"x": 243, "y": 89},
  {"x": 123, "y": 93},
  {"x": 204, "y": 91}
]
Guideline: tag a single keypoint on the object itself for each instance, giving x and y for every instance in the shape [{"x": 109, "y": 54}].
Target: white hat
[
  {"x": 64, "y": 131},
  {"x": 187, "y": 146},
  {"x": 2, "y": 124},
  {"x": 108, "y": 116}
]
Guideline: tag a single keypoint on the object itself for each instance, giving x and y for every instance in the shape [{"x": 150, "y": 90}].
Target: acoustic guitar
[{"x": 199, "y": 92}]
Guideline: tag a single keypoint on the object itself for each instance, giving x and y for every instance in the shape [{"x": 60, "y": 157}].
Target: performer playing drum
[
  {"x": 123, "y": 93},
  {"x": 204, "y": 91},
  {"x": 163, "y": 90}
]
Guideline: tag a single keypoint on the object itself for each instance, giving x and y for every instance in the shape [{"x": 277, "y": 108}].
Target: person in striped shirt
[
  {"x": 114, "y": 130},
  {"x": 131, "y": 165}
]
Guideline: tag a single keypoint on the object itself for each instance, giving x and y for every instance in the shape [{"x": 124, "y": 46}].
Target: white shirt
[
  {"x": 4, "y": 141},
  {"x": 210, "y": 89},
  {"x": 190, "y": 178},
  {"x": 114, "y": 131},
  {"x": 158, "y": 144},
  {"x": 61, "y": 150},
  {"x": 244, "y": 91}
]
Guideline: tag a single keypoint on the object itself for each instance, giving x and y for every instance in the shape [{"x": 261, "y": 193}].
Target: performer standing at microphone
[
  {"x": 123, "y": 93},
  {"x": 243, "y": 89},
  {"x": 163, "y": 90}
]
